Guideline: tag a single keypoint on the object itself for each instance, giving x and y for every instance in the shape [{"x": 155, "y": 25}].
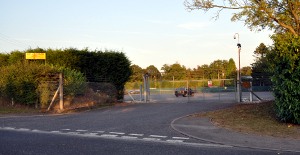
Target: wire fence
[
  {"x": 218, "y": 90},
  {"x": 87, "y": 93}
]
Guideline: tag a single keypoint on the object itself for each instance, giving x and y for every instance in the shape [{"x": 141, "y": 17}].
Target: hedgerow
[
  {"x": 286, "y": 79},
  {"x": 27, "y": 82}
]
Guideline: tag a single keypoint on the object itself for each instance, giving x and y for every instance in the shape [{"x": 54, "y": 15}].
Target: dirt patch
[{"x": 258, "y": 118}]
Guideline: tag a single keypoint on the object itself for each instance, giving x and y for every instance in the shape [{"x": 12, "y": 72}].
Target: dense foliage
[
  {"x": 218, "y": 69},
  {"x": 220, "y": 72},
  {"x": 97, "y": 66},
  {"x": 21, "y": 79},
  {"x": 262, "y": 67},
  {"x": 286, "y": 77},
  {"x": 28, "y": 82}
]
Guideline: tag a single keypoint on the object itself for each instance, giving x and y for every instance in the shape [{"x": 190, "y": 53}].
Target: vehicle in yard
[{"x": 182, "y": 91}]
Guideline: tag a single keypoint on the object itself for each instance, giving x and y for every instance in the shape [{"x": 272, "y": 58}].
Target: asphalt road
[
  {"x": 127, "y": 129},
  {"x": 26, "y": 143}
]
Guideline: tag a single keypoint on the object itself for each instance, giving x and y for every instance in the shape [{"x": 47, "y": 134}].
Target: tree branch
[
  {"x": 278, "y": 21},
  {"x": 295, "y": 11},
  {"x": 202, "y": 5},
  {"x": 290, "y": 28}
]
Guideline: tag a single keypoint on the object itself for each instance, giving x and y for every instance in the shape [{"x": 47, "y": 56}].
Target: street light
[{"x": 239, "y": 91}]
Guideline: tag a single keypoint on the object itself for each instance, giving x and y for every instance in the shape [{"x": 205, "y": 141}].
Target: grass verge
[
  {"x": 6, "y": 110},
  {"x": 254, "y": 119}
]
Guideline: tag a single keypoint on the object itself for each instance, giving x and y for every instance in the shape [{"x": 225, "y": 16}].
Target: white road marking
[
  {"x": 158, "y": 136},
  {"x": 108, "y": 135},
  {"x": 117, "y": 133},
  {"x": 24, "y": 129},
  {"x": 174, "y": 141},
  {"x": 9, "y": 128},
  {"x": 81, "y": 130},
  {"x": 181, "y": 138},
  {"x": 73, "y": 133},
  {"x": 66, "y": 129},
  {"x": 151, "y": 139},
  {"x": 128, "y": 137},
  {"x": 134, "y": 134},
  {"x": 100, "y": 131}
]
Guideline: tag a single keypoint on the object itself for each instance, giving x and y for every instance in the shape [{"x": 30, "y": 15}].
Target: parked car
[{"x": 182, "y": 91}]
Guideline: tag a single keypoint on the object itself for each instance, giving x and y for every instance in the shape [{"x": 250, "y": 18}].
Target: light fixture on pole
[{"x": 238, "y": 78}]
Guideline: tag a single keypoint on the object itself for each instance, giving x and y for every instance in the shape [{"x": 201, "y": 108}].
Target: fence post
[
  {"x": 61, "y": 91},
  {"x": 146, "y": 87},
  {"x": 219, "y": 90},
  {"x": 141, "y": 93},
  {"x": 251, "y": 95}
]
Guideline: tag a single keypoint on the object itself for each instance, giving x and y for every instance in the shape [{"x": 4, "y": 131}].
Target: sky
[{"x": 155, "y": 32}]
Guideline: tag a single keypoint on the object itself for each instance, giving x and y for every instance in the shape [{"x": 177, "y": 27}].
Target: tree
[
  {"x": 246, "y": 71},
  {"x": 261, "y": 51},
  {"x": 281, "y": 16},
  {"x": 278, "y": 15},
  {"x": 218, "y": 68},
  {"x": 175, "y": 71},
  {"x": 205, "y": 70},
  {"x": 231, "y": 69},
  {"x": 153, "y": 72},
  {"x": 137, "y": 73},
  {"x": 198, "y": 73},
  {"x": 261, "y": 68}
]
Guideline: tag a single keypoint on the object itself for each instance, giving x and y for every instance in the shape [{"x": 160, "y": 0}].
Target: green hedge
[
  {"x": 27, "y": 82},
  {"x": 97, "y": 66},
  {"x": 286, "y": 77}
]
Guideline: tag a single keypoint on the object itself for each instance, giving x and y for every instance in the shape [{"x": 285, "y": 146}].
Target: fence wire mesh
[{"x": 204, "y": 90}]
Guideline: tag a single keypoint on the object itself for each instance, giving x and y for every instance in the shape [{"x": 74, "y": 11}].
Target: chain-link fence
[
  {"x": 86, "y": 94},
  {"x": 219, "y": 89},
  {"x": 201, "y": 90}
]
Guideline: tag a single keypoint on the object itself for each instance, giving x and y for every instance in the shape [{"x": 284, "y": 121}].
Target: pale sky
[{"x": 155, "y": 32}]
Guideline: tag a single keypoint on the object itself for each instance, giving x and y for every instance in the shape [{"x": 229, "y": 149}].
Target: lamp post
[{"x": 239, "y": 91}]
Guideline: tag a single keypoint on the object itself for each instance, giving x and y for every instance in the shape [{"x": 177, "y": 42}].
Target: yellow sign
[{"x": 36, "y": 56}]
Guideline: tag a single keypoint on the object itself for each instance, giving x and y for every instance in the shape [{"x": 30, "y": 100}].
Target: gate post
[{"x": 146, "y": 87}]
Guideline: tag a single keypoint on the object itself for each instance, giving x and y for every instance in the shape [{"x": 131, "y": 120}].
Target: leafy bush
[
  {"x": 97, "y": 66},
  {"x": 19, "y": 81},
  {"x": 28, "y": 83},
  {"x": 286, "y": 77},
  {"x": 45, "y": 90},
  {"x": 74, "y": 82}
]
